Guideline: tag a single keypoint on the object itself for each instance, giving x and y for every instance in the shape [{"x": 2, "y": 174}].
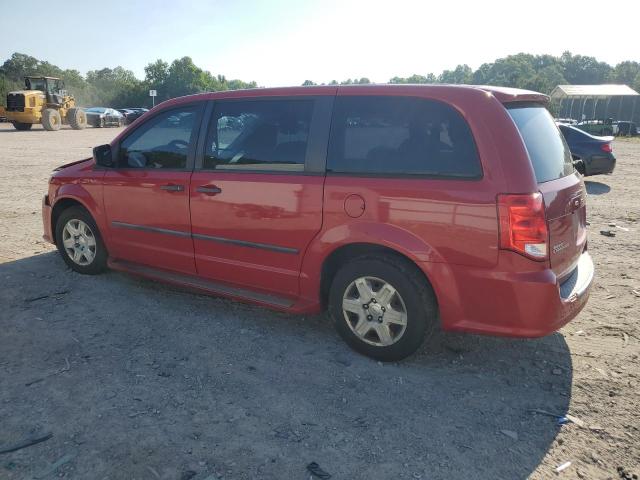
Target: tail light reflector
[
  {"x": 523, "y": 225},
  {"x": 606, "y": 147}
]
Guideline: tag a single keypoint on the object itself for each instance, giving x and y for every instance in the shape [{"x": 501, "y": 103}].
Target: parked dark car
[
  {"x": 392, "y": 206},
  {"x": 597, "y": 127},
  {"x": 625, "y": 128},
  {"x": 104, "y": 117},
  {"x": 595, "y": 154},
  {"x": 131, "y": 114}
]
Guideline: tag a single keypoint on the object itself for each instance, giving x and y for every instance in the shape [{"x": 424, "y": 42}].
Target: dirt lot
[{"x": 135, "y": 379}]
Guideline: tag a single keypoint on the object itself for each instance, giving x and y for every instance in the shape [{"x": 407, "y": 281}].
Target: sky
[{"x": 284, "y": 42}]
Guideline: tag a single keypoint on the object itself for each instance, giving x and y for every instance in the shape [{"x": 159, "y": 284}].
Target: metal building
[{"x": 596, "y": 102}]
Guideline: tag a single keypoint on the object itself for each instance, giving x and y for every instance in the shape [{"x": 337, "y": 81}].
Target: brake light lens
[
  {"x": 606, "y": 147},
  {"x": 523, "y": 225}
]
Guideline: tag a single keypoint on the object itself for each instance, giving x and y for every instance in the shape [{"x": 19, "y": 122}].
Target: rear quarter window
[
  {"x": 547, "y": 148},
  {"x": 400, "y": 136}
]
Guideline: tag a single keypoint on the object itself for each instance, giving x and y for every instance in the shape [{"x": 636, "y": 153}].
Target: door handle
[
  {"x": 172, "y": 188},
  {"x": 209, "y": 190}
]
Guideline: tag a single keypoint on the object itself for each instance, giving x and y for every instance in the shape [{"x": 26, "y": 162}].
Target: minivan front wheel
[
  {"x": 79, "y": 242},
  {"x": 382, "y": 307}
]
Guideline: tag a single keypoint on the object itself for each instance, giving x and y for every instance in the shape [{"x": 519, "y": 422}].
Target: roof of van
[{"x": 502, "y": 94}]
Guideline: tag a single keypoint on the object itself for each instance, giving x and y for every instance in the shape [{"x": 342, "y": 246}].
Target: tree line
[
  {"x": 540, "y": 73},
  {"x": 118, "y": 87}
]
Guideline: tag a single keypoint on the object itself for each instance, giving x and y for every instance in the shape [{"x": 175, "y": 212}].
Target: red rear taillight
[
  {"x": 523, "y": 226},
  {"x": 606, "y": 147}
]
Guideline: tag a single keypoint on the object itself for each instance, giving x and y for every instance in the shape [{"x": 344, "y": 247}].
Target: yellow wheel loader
[{"x": 44, "y": 100}]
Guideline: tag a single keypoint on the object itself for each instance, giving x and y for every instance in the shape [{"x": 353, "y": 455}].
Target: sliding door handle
[
  {"x": 209, "y": 190},
  {"x": 172, "y": 188}
]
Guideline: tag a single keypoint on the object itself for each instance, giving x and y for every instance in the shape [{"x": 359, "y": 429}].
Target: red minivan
[{"x": 396, "y": 207}]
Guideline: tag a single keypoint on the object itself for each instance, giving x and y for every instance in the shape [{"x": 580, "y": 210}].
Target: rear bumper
[
  {"x": 523, "y": 304},
  {"x": 46, "y": 220},
  {"x": 600, "y": 164}
]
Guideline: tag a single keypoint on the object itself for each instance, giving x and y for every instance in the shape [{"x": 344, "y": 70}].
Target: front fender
[{"x": 89, "y": 195}]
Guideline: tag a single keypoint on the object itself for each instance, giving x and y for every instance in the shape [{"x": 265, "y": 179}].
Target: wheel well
[
  {"x": 342, "y": 255},
  {"x": 60, "y": 207}
]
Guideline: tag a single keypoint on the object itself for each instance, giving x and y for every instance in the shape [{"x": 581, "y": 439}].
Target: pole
[
  {"x": 571, "y": 109},
  {"x": 620, "y": 108}
]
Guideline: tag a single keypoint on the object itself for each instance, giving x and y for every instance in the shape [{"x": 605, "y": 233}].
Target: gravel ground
[{"x": 138, "y": 380}]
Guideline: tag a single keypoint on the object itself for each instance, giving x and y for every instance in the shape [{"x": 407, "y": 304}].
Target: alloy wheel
[
  {"x": 79, "y": 242},
  {"x": 374, "y": 311}
]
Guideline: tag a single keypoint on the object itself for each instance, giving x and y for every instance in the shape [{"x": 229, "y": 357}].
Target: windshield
[
  {"x": 36, "y": 84},
  {"x": 547, "y": 148},
  {"x": 96, "y": 109}
]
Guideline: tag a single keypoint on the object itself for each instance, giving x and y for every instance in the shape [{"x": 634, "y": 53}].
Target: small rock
[
  {"x": 557, "y": 371},
  {"x": 343, "y": 361},
  {"x": 562, "y": 467}
]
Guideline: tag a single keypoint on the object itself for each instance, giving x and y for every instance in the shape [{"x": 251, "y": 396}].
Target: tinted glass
[
  {"x": 258, "y": 135},
  {"x": 401, "y": 135},
  {"x": 570, "y": 133},
  {"x": 547, "y": 148},
  {"x": 38, "y": 84},
  {"x": 162, "y": 142}
]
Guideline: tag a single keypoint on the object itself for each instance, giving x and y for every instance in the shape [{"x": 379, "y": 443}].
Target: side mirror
[{"x": 103, "y": 156}]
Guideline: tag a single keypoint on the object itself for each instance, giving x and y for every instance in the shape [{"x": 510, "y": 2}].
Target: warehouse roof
[{"x": 591, "y": 91}]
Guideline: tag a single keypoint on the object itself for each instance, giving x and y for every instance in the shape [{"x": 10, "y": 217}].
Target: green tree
[
  {"x": 511, "y": 71},
  {"x": 625, "y": 73},
  {"x": 156, "y": 73},
  {"x": 20, "y": 65},
  {"x": 581, "y": 70},
  {"x": 461, "y": 74},
  {"x": 430, "y": 78}
]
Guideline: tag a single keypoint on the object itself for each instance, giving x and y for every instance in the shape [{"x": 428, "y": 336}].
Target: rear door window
[
  {"x": 265, "y": 135},
  {"x": 400, "y": 136},
  {"x": 548, "y": 150}
]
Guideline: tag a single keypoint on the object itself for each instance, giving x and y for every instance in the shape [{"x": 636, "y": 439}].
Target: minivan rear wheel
[
  {"x": 382, "y": 307},
  {"x": 79, "y": 242}
]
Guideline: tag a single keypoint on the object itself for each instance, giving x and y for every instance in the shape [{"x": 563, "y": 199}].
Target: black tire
[
  {"x": 416, "y": 297},
  {"x": 51, "y": 119},
  {"x": 22, "y": 126},
  {"x": 99, "y": 261},
  {"x": 77, "y": 118}
]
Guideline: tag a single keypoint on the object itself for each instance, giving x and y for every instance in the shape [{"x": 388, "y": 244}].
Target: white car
[{"x": 104, "y": 117}]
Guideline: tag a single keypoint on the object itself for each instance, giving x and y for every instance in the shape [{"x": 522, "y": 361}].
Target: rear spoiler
[{"x": 515, "y": 95}]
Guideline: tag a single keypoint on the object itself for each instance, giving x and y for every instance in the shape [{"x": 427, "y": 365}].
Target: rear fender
[{"x": 385, "y": 235}]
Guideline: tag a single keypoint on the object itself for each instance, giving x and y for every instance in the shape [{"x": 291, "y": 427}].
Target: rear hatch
[{"x": 562, "y": 189}]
